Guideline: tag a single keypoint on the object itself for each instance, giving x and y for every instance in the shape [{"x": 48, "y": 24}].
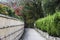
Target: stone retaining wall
[{"x": 10, "y": 28}]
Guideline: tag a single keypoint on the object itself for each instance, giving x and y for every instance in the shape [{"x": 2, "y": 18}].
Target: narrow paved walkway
[{"x": 31, "y": 34}]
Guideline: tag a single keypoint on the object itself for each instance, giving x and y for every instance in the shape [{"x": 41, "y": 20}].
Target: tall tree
[
  {"x": 32, "y": 11},
  {"x": 50, "y": 6}
]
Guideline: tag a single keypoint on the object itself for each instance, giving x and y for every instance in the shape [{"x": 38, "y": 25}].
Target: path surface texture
[{"x": 31, "y": 34}]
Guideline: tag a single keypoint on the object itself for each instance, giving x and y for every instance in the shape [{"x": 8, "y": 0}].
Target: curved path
[{"x": 31, "y": 34}]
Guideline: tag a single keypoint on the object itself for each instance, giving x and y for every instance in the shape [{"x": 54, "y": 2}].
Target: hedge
[{"x": 50, "y": 24}]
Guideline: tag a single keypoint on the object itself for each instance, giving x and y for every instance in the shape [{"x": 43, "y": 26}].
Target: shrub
[
  {"x": 6, "y": 10},
  {"x": 50, "y": 24}
]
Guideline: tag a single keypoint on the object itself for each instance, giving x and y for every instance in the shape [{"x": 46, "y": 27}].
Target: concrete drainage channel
[
  {"x": 10, "y": 28},
  {"x": 46, "y": 35}
]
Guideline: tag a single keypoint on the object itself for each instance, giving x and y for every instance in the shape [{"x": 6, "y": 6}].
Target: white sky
[{"x": 3, "y": 0}]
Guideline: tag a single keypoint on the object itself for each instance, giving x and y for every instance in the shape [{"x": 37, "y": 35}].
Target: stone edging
[{"x": 46, "y": 35}]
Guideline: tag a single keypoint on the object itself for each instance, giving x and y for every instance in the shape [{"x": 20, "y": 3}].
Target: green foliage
[
  {"x": 6, "y": 10},
  {"x": 3, "y": 9},
  {"x": 50, "y": 24},
  {"x": 32, "y": 11},
  {"x": 36, "y": 9},
  {"x": 51, "y": 6}
]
